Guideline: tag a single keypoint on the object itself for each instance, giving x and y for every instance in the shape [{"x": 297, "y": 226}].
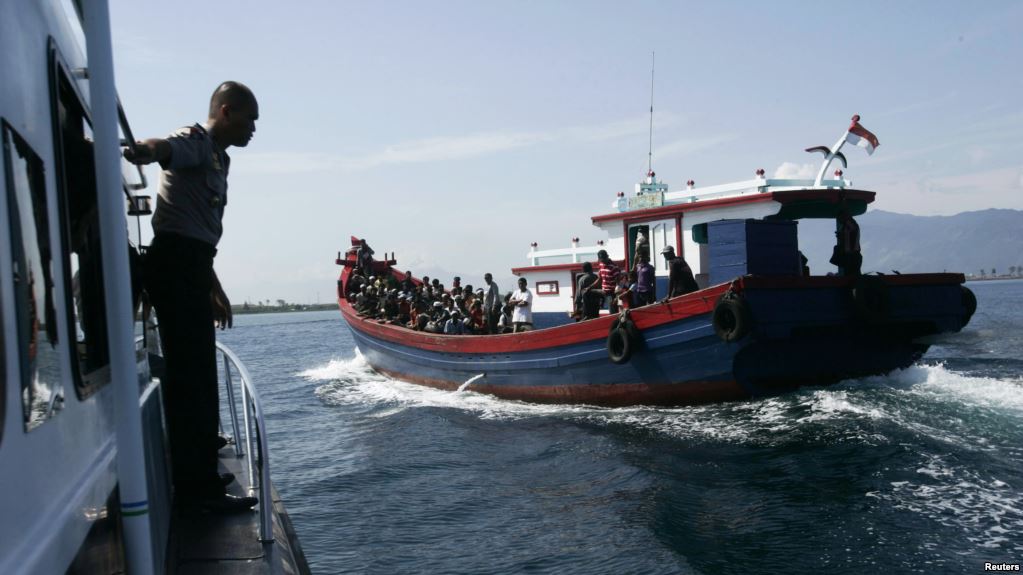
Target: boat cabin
[{"x": 686, "y": 220}]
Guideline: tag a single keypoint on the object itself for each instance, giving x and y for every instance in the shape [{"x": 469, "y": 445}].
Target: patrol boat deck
[
  {"x": 204, "y": 543},
  {"x": 84, "y": 471}
]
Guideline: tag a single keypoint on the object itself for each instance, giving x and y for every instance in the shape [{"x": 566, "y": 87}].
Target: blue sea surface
[{"x": 920, "y": 471}]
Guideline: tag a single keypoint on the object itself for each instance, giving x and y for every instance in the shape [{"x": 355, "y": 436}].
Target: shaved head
[
  {"x": 231, "y": 94},
  {"x": 233, "y": 114}
]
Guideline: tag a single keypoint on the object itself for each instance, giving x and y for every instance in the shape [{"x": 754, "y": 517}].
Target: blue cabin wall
[{"x": 752, "y": 247}]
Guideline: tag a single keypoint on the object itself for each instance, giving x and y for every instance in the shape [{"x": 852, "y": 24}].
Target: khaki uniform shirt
[{"x": 193, "y": 187}]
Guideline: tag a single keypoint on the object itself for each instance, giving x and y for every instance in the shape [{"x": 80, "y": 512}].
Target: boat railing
[{"x": 256, "y": 451}]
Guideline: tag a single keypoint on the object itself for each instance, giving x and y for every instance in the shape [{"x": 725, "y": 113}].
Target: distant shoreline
[
  {"x": 252, "y": 309},
  {"x": 995, "y": 278}
]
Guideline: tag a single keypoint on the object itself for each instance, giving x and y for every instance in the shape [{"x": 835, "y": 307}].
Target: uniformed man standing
[{"x": 185, "y": 290}]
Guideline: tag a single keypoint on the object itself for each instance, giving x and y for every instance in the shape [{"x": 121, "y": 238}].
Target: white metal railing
[{"x": 252, "y": 415}]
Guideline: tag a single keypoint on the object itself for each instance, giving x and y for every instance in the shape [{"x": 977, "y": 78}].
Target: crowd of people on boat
[
  {"x": 615, "y": 289},
  {"x": 429, "y": 306}
]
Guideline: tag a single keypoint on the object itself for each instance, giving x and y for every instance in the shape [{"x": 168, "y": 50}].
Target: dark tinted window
[
  {"x": 76, "y": 182},
  {"x": 42, "y": 392}
]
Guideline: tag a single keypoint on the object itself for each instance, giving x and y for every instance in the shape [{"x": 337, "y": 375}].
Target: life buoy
[
  {"x": 622, "y": 340},
  {"x": 969, "y": 304},
  {"x": 731, "y": 319},
  {"x": 870, "y": 294}
]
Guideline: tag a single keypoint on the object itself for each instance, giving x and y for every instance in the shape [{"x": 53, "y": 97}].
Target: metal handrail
[{"x": 251, "y": 404}]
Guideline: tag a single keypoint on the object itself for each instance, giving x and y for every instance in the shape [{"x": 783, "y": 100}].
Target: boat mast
[{"x": 650, "y": 150}]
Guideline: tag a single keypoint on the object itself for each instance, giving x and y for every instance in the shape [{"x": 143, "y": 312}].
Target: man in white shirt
[{"x": 522, "y": 313}]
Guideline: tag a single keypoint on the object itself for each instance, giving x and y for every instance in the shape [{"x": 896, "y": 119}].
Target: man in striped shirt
[{"x": 609, "y": 274}]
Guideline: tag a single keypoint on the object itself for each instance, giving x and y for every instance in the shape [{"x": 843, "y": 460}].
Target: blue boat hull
[{"x": 814, "y": 334}]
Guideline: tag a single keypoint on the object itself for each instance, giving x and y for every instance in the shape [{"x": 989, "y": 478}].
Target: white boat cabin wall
[{"x": 672, "y": 218}]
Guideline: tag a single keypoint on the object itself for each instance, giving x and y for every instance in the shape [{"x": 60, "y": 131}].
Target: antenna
[{"x": 650, "y": 152}]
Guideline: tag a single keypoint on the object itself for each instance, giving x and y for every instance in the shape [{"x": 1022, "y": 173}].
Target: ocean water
[{"x": 920, "y": 471}]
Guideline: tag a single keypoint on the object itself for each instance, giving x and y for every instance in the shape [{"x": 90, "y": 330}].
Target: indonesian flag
[{"x": 860, "y": 136}]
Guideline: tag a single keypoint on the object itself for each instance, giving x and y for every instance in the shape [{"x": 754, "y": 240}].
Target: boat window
[
  {"x": 76, "y": 184},
  {"x": 42, "y": 391}
]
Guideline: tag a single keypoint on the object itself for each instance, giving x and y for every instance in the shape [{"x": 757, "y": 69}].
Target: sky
[{"x": 455, "y": 133}]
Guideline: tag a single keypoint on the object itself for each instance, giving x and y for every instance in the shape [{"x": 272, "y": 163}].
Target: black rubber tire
[
  {"x": 619, "y": 347},
  {"x": 870, "y": 294},
  {"x": 621, "y": 341},
  {"x": 969, "y": 304},
  {"x": 732, "y": 320}
]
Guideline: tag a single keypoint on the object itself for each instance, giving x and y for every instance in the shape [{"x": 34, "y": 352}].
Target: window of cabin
[
  {"x": 42, "y": 391},
  {"x": 76, "y": 185},
  {"x": 547, "y": 288}
]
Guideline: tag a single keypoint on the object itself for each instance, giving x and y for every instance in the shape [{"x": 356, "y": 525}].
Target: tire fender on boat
[
  {"x": 969, "y": 304},
  {"x": 870, "y": 295},
  {"x": 732, "y": 319},
  {"x": 622, "y": 339}
]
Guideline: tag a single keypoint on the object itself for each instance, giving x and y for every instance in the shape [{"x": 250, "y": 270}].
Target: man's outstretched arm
[{"x": 148, "y": 151}]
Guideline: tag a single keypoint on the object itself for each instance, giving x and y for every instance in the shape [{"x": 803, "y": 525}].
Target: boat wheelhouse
[{"x": 680, "y": 219}]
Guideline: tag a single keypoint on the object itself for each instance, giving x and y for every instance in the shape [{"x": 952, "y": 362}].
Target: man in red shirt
[{"x": 609, "y": 273}]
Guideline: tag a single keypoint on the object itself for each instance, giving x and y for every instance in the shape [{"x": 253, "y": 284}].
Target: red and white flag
[{"x": 860, "y": 136}]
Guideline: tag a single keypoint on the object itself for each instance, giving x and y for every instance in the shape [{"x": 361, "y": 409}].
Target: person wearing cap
[
  {"x": 522, "y": 308},
  {"x": 680, "y": 276},
  {"x": 608, "y": 273},
  {"x": 454, "y": 326}
]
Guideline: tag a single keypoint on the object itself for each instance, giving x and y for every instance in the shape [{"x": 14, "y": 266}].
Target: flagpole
[{"x": 831, "y": 156}]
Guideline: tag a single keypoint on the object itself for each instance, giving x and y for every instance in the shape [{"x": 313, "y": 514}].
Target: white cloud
[
  {"x": 449, "y": 148},
  {"x": 794, "y": 171},
  {"x": 687, "y": 146}
]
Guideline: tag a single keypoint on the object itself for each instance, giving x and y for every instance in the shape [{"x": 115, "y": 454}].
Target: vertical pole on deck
[{"x": 131, "y": 469}]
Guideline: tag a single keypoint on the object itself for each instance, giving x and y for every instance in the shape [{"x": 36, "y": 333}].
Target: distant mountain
[{"x": 966, "y": 242}]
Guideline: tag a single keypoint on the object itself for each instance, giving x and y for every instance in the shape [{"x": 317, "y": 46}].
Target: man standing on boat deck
[
  {"x": 646, "y": 282},
  {"x": 588, "y": 294},
  {"x": 185, "y": 290},
  {"x": 609, "y": 273},
  {"x": 522, "y": 308},
  {"x": 680, "y": 275},
  {"x": 491, "y": 303},
  {"x": 849, "y": 260}
]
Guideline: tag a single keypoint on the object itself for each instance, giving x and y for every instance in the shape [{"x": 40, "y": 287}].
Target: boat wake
[
  {"x": 953, "y": 436},
  {"x": 919, "y": 399}
]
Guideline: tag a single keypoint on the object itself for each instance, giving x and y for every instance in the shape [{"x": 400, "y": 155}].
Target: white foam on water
[
  {"x": 853, "y": 406},
  {"x": 353, "y": 381},
  {"x": 942, "y": 384},
  {"x": 988, "y": 510}
]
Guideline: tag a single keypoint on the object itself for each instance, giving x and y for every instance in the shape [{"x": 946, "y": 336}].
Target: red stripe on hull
[
  {"x": 611, "y": 395},
  {"x": 697, "y": 303}
]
